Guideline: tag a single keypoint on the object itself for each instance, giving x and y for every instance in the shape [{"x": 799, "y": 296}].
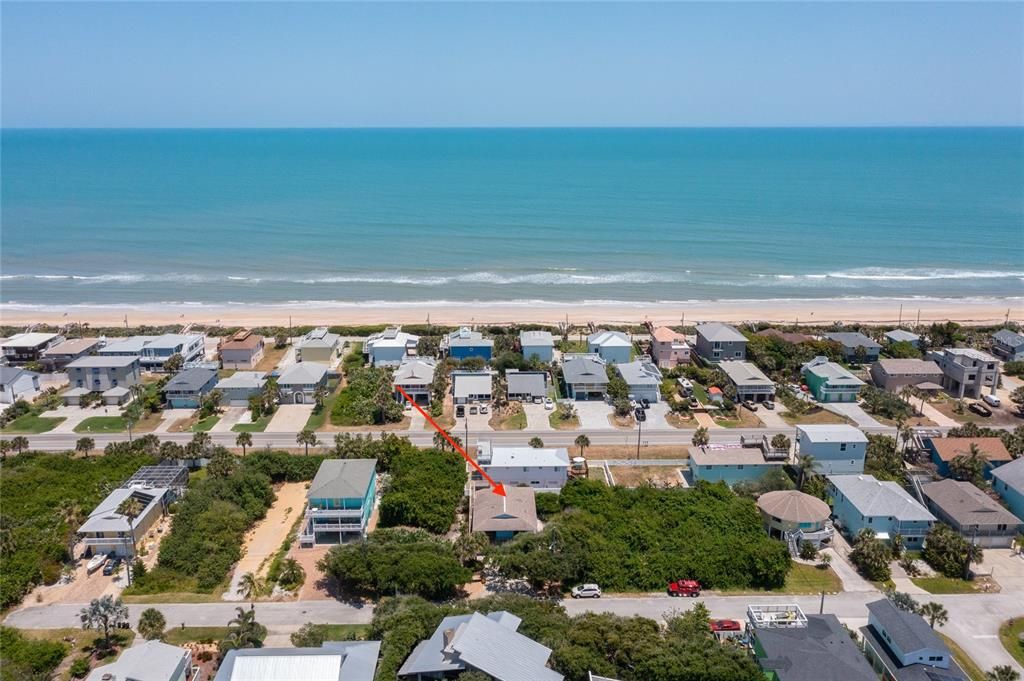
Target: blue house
[
  {"x": 187, "y": 388},
  {"x": 537, "y": 344},
  {"x": 339, "y": 501},
  {"x": 838, "y": 449},
  {"x": 862, "y": 501},
  {"x": 613, "y": 347},
  {"x": 733, "y": 463},
  {"x": 942, "y": 451},
  {"x": 390, "y": 347},
  {"x": 901, "y": 646},
  {"x": 1008, "y": 482},
  {"x": 466, "y": 343}
]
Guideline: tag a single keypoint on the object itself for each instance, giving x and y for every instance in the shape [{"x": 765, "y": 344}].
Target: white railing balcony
[
  {"x": 334, "y": 513},
  {"x": 334, "y": 527}
]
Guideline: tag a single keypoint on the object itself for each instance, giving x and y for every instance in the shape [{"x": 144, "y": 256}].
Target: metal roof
[
  {"x": 28, "y": 340},
  {"x": 168, "y": 475},
  {"x": 875, "y": 498},
  {"x": 333, "y": 661},
  {"x": 531, "y": 338},
  {"x": 342, "y": 479},
  {"x": 243, "y": 379},
  {"x": 103, "y": 362},
  {"x": 465, "y": 383},
  {"x": 390, "y": 338},
  {"x": 609, "y": 339},
  {"x": 486, "y": 645},
  {"x": 839, "y": 432},
  {"x": 902, "y": 335},
  {"x": 428, "y": 655},
  {"x": 131, "y": 345},
  {"x": 105, "y": 518}
]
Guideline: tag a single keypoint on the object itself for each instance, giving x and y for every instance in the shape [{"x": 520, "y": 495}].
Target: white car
[
  {"x": 549, "y": 404},
  {"x": 991, "y": 400},
  {"x": 483, "y": 408},
  {"x": 586, "y": 591}
]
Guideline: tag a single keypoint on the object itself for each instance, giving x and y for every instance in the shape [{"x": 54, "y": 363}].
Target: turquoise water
[{"x": 300, "y": 216}]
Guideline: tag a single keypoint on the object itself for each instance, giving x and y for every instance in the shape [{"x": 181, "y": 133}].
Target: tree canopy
[{"x": 425, "y": 489}]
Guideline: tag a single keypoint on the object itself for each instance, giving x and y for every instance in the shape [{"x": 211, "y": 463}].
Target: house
[
  {"x": 544, "y": 469},
  {"x": 58, "y": 356},
  {"x": 319, "y": 345},
  {"x": 125, "y": 347},
  {"x": 731, "y": 463},
  {"x": 471, "y": 386},
  {"x": 243, "y": 350},
  {"x": 966, "y": 372},
  {"x": 861, "y": 501},
  {"x": 483, "y": 643},
  {"x": 750, "y": 382},
  {"x": 390, "y": 347},
  {"x": 332, "y": 661},
  {"x": 237, "y": 388},
  {"x": 17, "y": 384},
  {"x": 794, "y": 338},
  {"x": 526, "y": 386},
  {"x": 643, "y": 379},
  {"x": 415, "y": 375},
  {"x": 171, "y": 476},
  {"x": 837, "y": 449},
  {"x": 830, "y": 382},
  {"x": 902, "y": 647},
  {"x": 537, "y": 344},
  {"x": 614, "y": 347},
  {"x": 716, "y": 395},
  {"x": 23, "y": 348},
  {"x": 792, "y": 515},
  {"x": 97, "y": 373},
  {"x": 187, "y": 388},
  {"x": 585, "y": 376},
  {"x": 299, "y": 382},
  {"x": 149, "y": 661},
  {"x": 902, "y": 336},
  {"x": 1008, "y": 483},
  {"x": 791, "y": 646},
  {"x": 856, "y": 347},
  {"x": 339, "y": 501},
  {"x": 716, "y": 341},
  {"x": 972, "y": 513},
  {"x": 466, "y": 343},
  {"x": 107, "y": 531},
  {"x": 669, "y": 348},
  {"x": 191, "y": 347},
  {"x": 1008, "y": 345},
  {"x": 894, "y": 374},
  {"x": 942, "y": 450},
  {"x": 502, "y": 517}
]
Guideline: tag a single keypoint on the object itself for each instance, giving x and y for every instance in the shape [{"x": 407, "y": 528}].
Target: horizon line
[{"x": 978, "y": 126}]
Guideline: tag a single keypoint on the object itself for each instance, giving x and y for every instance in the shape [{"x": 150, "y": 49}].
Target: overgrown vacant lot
[{"x": 634, "y": 476}]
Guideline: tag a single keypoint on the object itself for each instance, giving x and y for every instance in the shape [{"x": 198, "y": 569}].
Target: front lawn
[
  {"x": 817, "y": 416},
  {"x": 563, "y": 424},
  {"x": 101, "y": 424},
  {"x": 257, "y": 426},
  {"x": 744, "y": 419},
  {"x": 946, "y": 585},
  {"x": 514, "y": 421},
  {"x": 179, "y": 636},
  {"x": 30, "y": 423},
  {"x": 804, "y": 579},
  {"x": 317, "y": 419},
  {"x": 1010, "y": 635},
  {"x": 206, "y": 424}
]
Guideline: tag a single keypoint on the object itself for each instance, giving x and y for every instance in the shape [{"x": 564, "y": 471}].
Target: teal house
[
  {"x": 830, "y": 382},
  {"x": 733, "y": 463},
  {"x": 339, "y": 502},
  {"x": 1008, "y": 483},
  {"x": 864, "y": 502}
]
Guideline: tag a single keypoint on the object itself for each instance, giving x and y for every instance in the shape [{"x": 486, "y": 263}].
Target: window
[{"x": 842, "y": 447}]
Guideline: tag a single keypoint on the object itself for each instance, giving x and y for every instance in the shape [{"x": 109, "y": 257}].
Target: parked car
[
  {"x": 111, "y": 567},
  {"x": 768, "y": 404},
  {"x": 980, "y": 409},
  {"x": 992, "y": 400},
  {"x": 586, "y": 591},
  {"x": 694, "y": 403},
  {"x": 549, "y": 404},
  {"x": 684, "y": 587},
  {"x": 640, "y": 414},
  {"x": 538, "y": 400},
  {"x": 750, "y": 405},
  {"x": 483, "y": 408},
  {"x": 460, "y": 410},
  {"x": 726, "y": 625},
  {"x": 474, "y": 409},
  {"x": 645, "y": 403}
]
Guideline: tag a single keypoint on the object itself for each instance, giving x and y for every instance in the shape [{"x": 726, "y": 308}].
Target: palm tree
[
  {"x": 805, "y": 465},
  {"x": 201, "y": 441},
  {"x": 536, "y": 442},
  {"x": 72, "y": 516},
  {"x": 152, "y": 624},
  {"x": 250, "y": 586},
  {"x": 271, "y": 395},
  {"x": 20, "y": 444},
  {"x": 319, "y": 397},
  {"x": 306, "y": 438},
  {"x": 85, "y": 445},
  {"x": 1003, "y": 672},
  {"x": 131, "y": 415},
  {"x": 582, "y": 441},
  {"x": 149, "y": 443},
  {"x": 935, "y": 613},
  {"x": 245, "y": 631},
  {"x": 130, "y": 508},
  {"x": 896, "y": 544},
  {"x": 701, "y": 437},
  {"x": 291, "y": 572},
  {"x": 104, "y": 614},
  {"x": 243, "y": 440}
]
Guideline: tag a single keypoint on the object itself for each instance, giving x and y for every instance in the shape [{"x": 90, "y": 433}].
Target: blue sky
[{"x": 489, "y": 64}]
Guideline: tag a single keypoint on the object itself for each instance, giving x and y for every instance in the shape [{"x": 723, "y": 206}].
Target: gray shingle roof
[
  {"x": 150, "y": 661},
  {"x": 103, "y": 362},
  {"x": 581, "y": 369},
  {"x": 908, "y": 631},
  {"x": 821, "y": 651},
  {"x": 9, "y": 375},
  {"x": 526, "y": 382},
  {"x": 302, "y": 373},
  {"x": 190, "y": 380},
  {"x": 966, "y": 504},
  {"x": 1012, "y": 474},
  {"x": 428, "y": 655},
  {"x": 1011, "y": 338},
  {"x": 852, "y": 340},
  {"x": 876, "y": 498},
  {"x": 342, "y": 479},
  {"x": 639, "y": 373},
  {"x": 415, "y": 371},
  {"x": 716, "y": 331},
  {"x": 744, "y": 373},
  {"x": 481, "y": 643}
]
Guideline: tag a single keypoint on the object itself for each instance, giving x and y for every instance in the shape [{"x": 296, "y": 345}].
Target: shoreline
[{"x": 983, "y": 311}]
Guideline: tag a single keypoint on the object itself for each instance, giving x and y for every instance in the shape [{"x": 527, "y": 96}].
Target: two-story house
[
  {"x": 669, "y": 348},
  {"x": 585, "y": 376},
  {"x": 967, "y": 372},
  {"x": 750, "y": 382},
  {"x": 99, "y": 373},
  {"x": 109, "y": 531},
  {"x": 415, "y": 376},
  {"x": 972, "y": 513},
  {"x": 191, "y": 347},
  {"x": 862, "y": 501},
  {"x": 1008, "y": 345},
  {"x": 731, "y": 463},
  {"x": 942, "y": 451},
  {"x": 855, "y": 346},
  {"x": 837, "y": 449},
  {"x": 187, "y": 388},
  {"x": 391, "y": 347},
  {"x": 299, "y": 382},
  {"x": 471, "y": 387},
  {"x": 614, "y": 347},
  {"x": 902, "y": 647},
  {"x": 717, "y": 342},
  {"x": 466, "y": 343},
  {"x": 319, "y": 345},
  {"x": 58, "y": 356},
  {"x": 23, "y": 348},
  {"x": 544, "y": 469},
  {"x": 237, "y": 388},
  {"x": 643, "y": 379},
  {"x": 339, "y": 501},
  {"x": 526, "y": 386},
  {"x": 1008, "y": 483},
  {"x": 830, "y": 382},
  {"x": 243, "y": 350},
  {"x": 895, "y": 374},
  {"x": 17, "y": 384},
  {"x": 537, "y": 344}
]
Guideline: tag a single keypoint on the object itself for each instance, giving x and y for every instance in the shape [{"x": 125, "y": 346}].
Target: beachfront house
[
  {"x": 902, "y": 336},
  {"x": 614, "y": 347},
  {"x": 187, "y": 388},
  {"x": 23, "y": 348},
  {"x": 124, "y": 347},
  {"x": 895, "y": 374},
  {"x": 58, "y": 356},
  {"x": 942, "y": 451},
  {"x": 487, "y": 644},
  {"x": 148, "y": 661},
  {"x": 243, "y": 350},
  {"x": 717, "y": 341},
  {"x": 669, "y": 348},
  {"x": 745, "y": 461},
  {"x": 501, "y": 517},
  {"x": 855, "y": 346},
  {"x": 543, "y": 469},
  {"x": 643, "y": 379},
  {"x": 99, "y": 373},
  {"x": 17, "y": 384},
  {"x": 861, "y": 501},
  {"x": 830, "y": 382},
  {"x": 837, "y": 449},
  {"x": 319, "y": 345},
  {"x": 471, "y": 387},
  {"x": 1008, "y": 345},
  {"x": 585, "y": 376},
  {"x": 415, "y": 375},
  {"x": 526, "y": 386},
  {"x": 538, "y": 344},
  {"x": 107, "y": 531},
  {"x": 299, "y": 382},
  {"x": 902, "y": 647},
  {"x": 390, "y": 347},
  {"x": 1008, "y": 483},
  {"x": 339, "y": 501},
  {"x": 750, "y": 382},
  {"x": 239, "y": 387},
  {"x": 966, "y": 372},
  {"x": 191, "y": 347},
  {"x": 466, "y": 343},
  {"x": 972, "y": 513},
  {"x": 332, "y": 661}
]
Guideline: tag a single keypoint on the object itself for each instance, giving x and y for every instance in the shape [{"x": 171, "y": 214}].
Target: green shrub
[
  {"x": 79, "y": 668},
  {"x": 425, "y": 490},
  {"x": 22, "y": 658}
]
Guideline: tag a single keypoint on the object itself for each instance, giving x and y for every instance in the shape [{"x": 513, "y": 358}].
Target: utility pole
[
  {"x": 639, "y": 429},
  {"x": 821, "y": 607},
  {"x": 918, "y": 318},
  {"x": 899, "y": 322}
]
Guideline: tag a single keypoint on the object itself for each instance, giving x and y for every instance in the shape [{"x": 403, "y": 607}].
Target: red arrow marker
[{"x": 496, "y": 487}]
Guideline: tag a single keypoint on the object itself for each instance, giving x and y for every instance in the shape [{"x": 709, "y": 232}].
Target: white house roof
[
  {"x": 500, "y": 652},
  {"x": 319, "y": 338},
  {"x": 972, "y": 353},
  {"x": 466, "y": 336},
  {"x": 875, "y": 498},
  {"x": 465, "y": 384},
  {"x": 28, "y": 340},
  {"x": 302, "y": 373},
  {"x": 150, "y": 661},
  {"x": 131, "y": 345},
  {"x": 835, "y": 373},
  {"x": 391, "y": 338},
  {"x": 105, "y": 518},
  {"x": 534, "y": 338},
  {"x": 522, "y": 456},
  {"x": 639, "y": 373},
  {"x": 744, "y": 373},
  {"x": 101, "y": 362},
  {"x": 902, "y": 335},
  {"x": 251, "y": 380},
  {"x": 609, "y": 339},
  {"x": 172, "y": 340},
  {"x": 830, "y": 433},
  {"x": 334, "y": 661},
  {"x": 716, "y": 331},
  {"x": 416, "y": 371}
]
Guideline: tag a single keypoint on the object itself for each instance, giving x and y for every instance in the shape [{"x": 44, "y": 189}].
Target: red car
[
  {"x": 684, "y": 587},
  {"x": 725, "y": 625}
]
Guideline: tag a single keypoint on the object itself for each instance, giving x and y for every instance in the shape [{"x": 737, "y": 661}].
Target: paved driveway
[
  {"x": 771, "y": 419},
  {"x": 853, "y": 411},
  {"x": 1007, "y": 569},
  {"x": 290, "y": 418},
  {"x": 229, "y": 417},
  {"x": 656, "y": 417},
  {"x": 171, "y": 416},
  {"x": 594, "y": 415},
  {"x": 537, "y": 417},
  {"x": 74, "y": 415}
]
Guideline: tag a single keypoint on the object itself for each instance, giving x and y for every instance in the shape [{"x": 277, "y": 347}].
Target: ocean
[{"x": 378, "y": 217}]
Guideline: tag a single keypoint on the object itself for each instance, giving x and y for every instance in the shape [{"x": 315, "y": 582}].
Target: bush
[
  {"x": 548, "y": 504},
  {"x": 79, "y": 668},
  {"x": 358, "y": 404},
  {"x": 947, "y": 552},
  {"x": 425, "y": 490},
  {"x": 25, "y": 658}
]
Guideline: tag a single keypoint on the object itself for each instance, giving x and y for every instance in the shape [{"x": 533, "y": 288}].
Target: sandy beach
[{"x": 819, "y": 311}]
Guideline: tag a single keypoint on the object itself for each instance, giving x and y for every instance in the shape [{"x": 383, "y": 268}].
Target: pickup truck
[{"x": 684, "y": 587}]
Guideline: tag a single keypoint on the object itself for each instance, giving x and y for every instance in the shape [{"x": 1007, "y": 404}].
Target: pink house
[{"x": 669, "y": 348}]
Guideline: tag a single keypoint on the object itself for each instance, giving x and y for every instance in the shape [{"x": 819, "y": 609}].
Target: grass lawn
[
  {"x": 338, "y": 631},
  {"x": 206, "y": 424},
  {"x": 946, "y": 585},
  {"x": 176, "y": 597},
  {"x": 973, "y": 671},
  {"x": 178, "y": 636},
  {"x": 745, "y": 419},
  {"x": 804, "y": 579},
  {"x": 678, "y": 421},
  {"x": 513, "y": 421},
  {"x": 84, "y": 641},
  {"x": 559, "y": 424},
  {"x": 700, "y": 393},
  {"x": 572, "y": 346},
  {"x": 257, "y": 426},
  {"x": 822, "y": 416},
  {"x": 1010, "y": 636},
  {"x": 271, "y": 356},
  {"x": 30, "y": 423},
  {"x": 101, "y": 424},
  {"x": 318, "y": 419},
  {"x": 629, "y": 452}
]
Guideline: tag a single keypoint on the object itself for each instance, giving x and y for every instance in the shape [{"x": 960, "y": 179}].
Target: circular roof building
[{"x": 789, "y": 510}]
